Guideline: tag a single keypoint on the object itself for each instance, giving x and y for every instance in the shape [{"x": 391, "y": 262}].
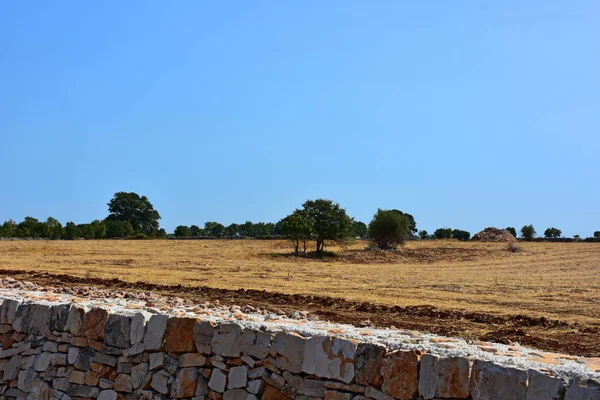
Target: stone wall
[{"x": 68, "y": 352}]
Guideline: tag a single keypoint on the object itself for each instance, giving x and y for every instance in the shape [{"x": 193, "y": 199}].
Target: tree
[
  {"x": 512, "y": 231},
  {"x": 388, "y": 229},
  {"x": 330, "y": 222},
  {"x": 423, "y": 234},
  {"x": 8, "y": 229},
  {"x": 85, "y": 231},
  {"x": 597, "y": 234},
  {"x": 412, "y": 225},
  {"x": 214, "y": 229},
  {"x": 246, "y": 229},
  {"x": 118, "y": 229},
  {"x": 461, "y": 235},
  {"x": 443, "y": 233},
  {"x": 528, "y": 232},
  {"x": 552, "y": 233},
  {"x": 359, "y": 229},
  {"x": 54, "y": 228},
  {"x": 136, "y": 210},
  {"x": 261, "y": 229},
  {"x": 298, "y": 227},
  {"x": 30, "y": 227},
  {"x": 183, "y": 231},
  {"x": 71, "y": 231},
  {"x": 231, "y": 230},
  {"x": 195, "y": 230},
  {"x": 98, "y": 229}
]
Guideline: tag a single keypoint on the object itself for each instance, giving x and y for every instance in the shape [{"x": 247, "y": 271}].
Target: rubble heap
[{"x": 494, "y": 235}]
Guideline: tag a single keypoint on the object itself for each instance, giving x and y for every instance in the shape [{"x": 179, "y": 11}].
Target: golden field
[{"x": 554, "y": 280}]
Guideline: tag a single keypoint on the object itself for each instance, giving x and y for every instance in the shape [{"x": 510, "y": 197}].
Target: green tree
[
  {"x": 54, "y": 228},
  {"x": 443, "y": 233},
  {"x": 182, "y": 231},
  {"x": 359, "y": 229},
  {"x": 195, "y": 230},
  {"x": 85, "y": 231},
  {"x": 30, "y": 227},
  {"x": 412, "y": 225},
  {"x": 388, "y": 229},
  {"x": 461, "y": 235},
  {"x": 118, "y": 229},
  {"x": 246, "y": 229},
  {"x": 330, "y": 222},
  {"x": 8, "y": 229},
  {"x": 597, "y": 234},
  {"x": 98, "y": 229},
  {"x": 528, "y": 232},
  {"x": 552, "y": 233},
  {"x": 261, "y": 229},
  {"x": 71, "y": 231},
  {"x": 214, "y": 229},
  {"x": 423, "y": 234},
  {"x": 298, "y": 227},
  {"x": 231, "y": 230},
  {"x": 136, "y": 210},
  {"x": 512, "y": 231}
]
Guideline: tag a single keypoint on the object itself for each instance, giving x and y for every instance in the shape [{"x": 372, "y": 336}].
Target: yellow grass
[{"x": 555, "y": 280}]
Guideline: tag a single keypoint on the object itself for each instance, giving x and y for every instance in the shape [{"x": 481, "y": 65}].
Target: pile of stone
[{"x": 494, "y": 235}]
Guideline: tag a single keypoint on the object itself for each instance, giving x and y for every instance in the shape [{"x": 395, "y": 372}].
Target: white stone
[
  {"x": 288, "y": 349},
  {"x": 225, "y": 340},
  {"x": 329, "y": 358},
  {"x": 137, "y": 328},
  {"x": 544, "y": 387}
]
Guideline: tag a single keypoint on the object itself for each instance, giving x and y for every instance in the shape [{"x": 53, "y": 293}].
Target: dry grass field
[{"x": 557, "y": 281}]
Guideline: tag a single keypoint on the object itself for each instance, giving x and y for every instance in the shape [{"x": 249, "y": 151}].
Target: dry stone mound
[{"x": 494, "y": 235}]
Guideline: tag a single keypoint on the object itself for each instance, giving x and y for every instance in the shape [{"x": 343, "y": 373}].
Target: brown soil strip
[{"x": 541, "y": 333}]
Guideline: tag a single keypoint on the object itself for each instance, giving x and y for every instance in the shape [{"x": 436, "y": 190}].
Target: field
[{"x": 547, "y": 295}]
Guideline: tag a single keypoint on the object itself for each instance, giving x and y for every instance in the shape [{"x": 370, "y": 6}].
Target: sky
[{"x": 465, "y": 114}]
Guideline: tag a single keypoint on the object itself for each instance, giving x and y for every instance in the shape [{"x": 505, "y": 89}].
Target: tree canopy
[
  {"x": 388, "y": 229},
  {"x": 135, "y": 209}
]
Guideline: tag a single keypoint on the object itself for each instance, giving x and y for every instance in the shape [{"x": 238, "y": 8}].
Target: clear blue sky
[{"x": 465, "y": 114}]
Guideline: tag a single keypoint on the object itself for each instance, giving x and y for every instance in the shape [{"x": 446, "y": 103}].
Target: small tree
[
  {"x": 54, "y": 228},
  {"x": 412, "y": 225},
  {"x": 512, "y": 231},
  {"x": 298, "y": 227},
  {"x": 461, "y": 235},
  {"x": 528, "y": 232},
  {"x": 597, "y": 234},
  {"x": 423, "y": 234},
  {"x": 118, "y": 229},
  {"x": 214, "y": 229},
  {"x": 71, "y": 231},
  {"x": 388, "y": 229},
  {"x": 182, "y": 231},
  {"x": 195, "y": 230},
  {"x": 552, "y": 233},
  {"x": 443, "y": 233},
  {"x": 331, "y": 223}
]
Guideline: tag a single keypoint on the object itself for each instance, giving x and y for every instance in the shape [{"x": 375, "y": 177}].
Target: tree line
[{"x": 130, "y": 216}]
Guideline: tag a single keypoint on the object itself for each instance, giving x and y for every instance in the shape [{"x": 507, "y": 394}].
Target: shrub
[
  {"x": 388, "y": 229},
  {"x": 463, "y": 236},
  {"x": 597, "y": 234},
  {"x": 513, "y": 248},
  {"x": 552, "y": 233},
  {"x": 512, "y": 231},
  {"x": 443, "y": 233}
]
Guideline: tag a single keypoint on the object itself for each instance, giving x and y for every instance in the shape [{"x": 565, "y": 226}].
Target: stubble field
[{"x": 546, "y": 295}]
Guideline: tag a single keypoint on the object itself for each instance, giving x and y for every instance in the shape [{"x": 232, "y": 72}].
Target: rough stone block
[
  {"x": 94, "y": 322},
  {"x": 203, "y": 335},
  {"x": 84, "y": 360},
  {"x": 74, "y": 323},
  {"x": 329, "y": 358},
  {"x": 138, "y": 325},
  {"x": 225, "y": 340},
  {"x": 192, "y": 360},
  {"x": 138, "y": 375},
  {"x": 444, "y": 378},
  {"x": 335, "y": 395},
  {"x": 217, "y": 381},
  {"x": 8, "y": 311},
  {"x": 255, "y": 343},
  {"x": 238, "y": 377},
  {"x": 400, "y": 371},
  {"x": 123, "y": 384},
  {"x": 588, "y": 390},
  {"x": 108, "y": 395},
  {"x": 117, "y": 331},
  {"x": 185, "y": 383},
  {"x": 58, "y": 316},
  {"x": 32, "y": 319},
  {"x": 238, "y": 394},
  {"x": 491, "y": 381},
  {"x": 544, "y": 387},
  {"x": 160, "y": 381},
  {"x": 83, "y": 391},
  {"x": 288, "y": 349},
  {"x": 155, "y": 332},
  {"x": 256, "y": 386},
  {"x": 367, "y": 364}
]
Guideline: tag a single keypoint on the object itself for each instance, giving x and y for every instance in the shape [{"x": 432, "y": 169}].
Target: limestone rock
[
  {"x": 400, "y": 372},
  {"x": 444, "y": 378},
  {"x": 185, "y": 383},
  {"x": 156, "y": 361},
  {"x": 288, "y": 349},
  {"x": 491, "y": 381},
  {"x": 93, "y": 323},
  {"x": 225, "y": 340},
  {"x": 203, "y": 335},
  {"x": 179, "y": 335},
  {"x": 329, "y": 358},
  {"x": 589, "y": 390},
  {"x": 138, "y": 375},
  {"x": 117, "y": 331},
  {"x": 255, "y": 343},
  {"x": 160, "y": 381},
  {"x": 74, "y": 323},
  {"x": 155, "y": 332},
  {"x": 137, "y": 328},
  {"x": 84, "y": 360},
  {"x": 237, "y": 377},
  {"x": 217, "y": 381},
  {"x": 58, "y": 316},
  {"x": 541, "y": 386},
  {"x": 8, "y": 311},
  {"x": 367, "y": 364}
]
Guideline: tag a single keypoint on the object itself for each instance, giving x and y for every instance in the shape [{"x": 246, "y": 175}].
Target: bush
[
  {"x": 552, "y": 233},
  {"x": 463, "y": 236},
  {"x": 512, "y": 231},
  {"x": 513, "y": 248},
  {"x": 388, "y": 229},
  {"x": 443, "y": 233},
  {"x": 597, "y": 234}
]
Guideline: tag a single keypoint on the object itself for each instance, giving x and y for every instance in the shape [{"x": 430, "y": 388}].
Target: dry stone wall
[{"x": 67, "y": 352}]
